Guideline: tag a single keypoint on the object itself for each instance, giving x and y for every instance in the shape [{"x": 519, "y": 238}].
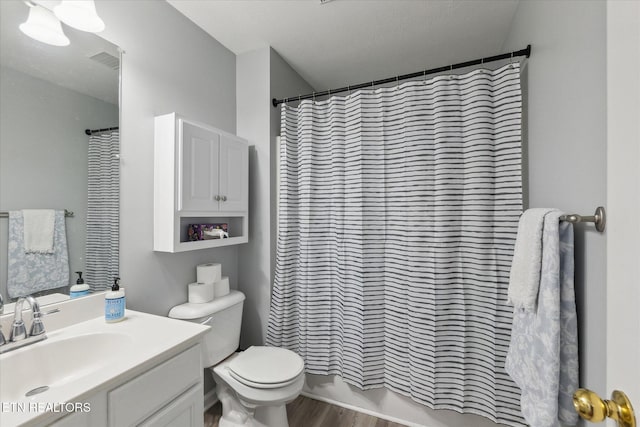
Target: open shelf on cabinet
[{"x": 236, "y": 228}]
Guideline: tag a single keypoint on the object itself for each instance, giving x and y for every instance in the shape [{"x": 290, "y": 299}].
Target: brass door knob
[{"x": 592, "y": 408}]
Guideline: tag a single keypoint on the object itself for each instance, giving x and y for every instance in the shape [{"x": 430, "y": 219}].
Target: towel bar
[
  {"x": 67, "y": 213},
  {"x": 599, "y": 218}
]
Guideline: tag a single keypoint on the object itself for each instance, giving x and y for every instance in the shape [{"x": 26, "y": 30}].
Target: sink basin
[{"x": 55, "y": 362}]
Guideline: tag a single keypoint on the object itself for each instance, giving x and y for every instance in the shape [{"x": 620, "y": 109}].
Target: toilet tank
[{"x": 224, "y": 315}]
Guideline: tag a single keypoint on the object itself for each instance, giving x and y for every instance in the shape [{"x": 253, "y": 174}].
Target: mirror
[{"x": 50, "y": 95}]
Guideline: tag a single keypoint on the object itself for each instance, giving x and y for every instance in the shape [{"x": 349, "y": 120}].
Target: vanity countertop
[{"x": 85, "y": 358}]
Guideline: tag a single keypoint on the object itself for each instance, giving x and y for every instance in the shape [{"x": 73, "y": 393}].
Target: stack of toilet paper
[{"x": 209, "y": 284}]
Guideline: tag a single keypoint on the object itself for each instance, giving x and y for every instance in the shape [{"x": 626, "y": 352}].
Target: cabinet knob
[
  {"x": 217, "y": 198},
  {"x": 224, "y": 198}
]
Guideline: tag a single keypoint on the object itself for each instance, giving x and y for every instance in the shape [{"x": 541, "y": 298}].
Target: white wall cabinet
[{"x": 201, "y": 176}]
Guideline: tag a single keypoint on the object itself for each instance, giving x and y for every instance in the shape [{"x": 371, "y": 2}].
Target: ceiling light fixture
[
  {"x": 79, "y": 14},
  {"x": 41, "y": 25}
]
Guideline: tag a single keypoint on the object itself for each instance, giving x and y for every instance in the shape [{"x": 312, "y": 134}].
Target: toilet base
[
  {"x": 271, "y": 416},
  {"x": 236, "y": 413}
]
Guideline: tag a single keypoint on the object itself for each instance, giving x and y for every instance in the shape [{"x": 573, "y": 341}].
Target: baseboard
[
  {"x": 210, "y": 399},
  {"x": 363, "y": 410}
]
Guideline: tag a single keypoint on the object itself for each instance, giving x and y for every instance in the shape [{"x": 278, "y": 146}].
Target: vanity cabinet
[
  {"x": 201, "y": 176},
  {"x": 169, "y": 394}
]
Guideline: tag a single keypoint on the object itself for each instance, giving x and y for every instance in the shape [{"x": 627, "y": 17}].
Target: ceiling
[
  {"x": 345, "y": 42},
  {"x": 68, "y": 66}
]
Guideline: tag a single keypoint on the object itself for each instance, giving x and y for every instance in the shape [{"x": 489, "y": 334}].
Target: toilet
[{"x": 253, "y": 385}]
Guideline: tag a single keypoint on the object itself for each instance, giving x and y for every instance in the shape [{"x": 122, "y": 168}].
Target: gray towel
[
  {"x": 543, "y": 354},
  {"x": 34, "y": 272}
]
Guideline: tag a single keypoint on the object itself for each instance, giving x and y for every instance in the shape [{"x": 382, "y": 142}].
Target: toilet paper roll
[
  {"x": 221, "y": 287},
  {"x": 200, "y": 293},
  {"x": 208, "y": 273}
]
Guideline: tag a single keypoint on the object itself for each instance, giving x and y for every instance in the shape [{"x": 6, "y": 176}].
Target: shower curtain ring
[
  {"x": 349, "y": 89},
  {"x": 511, "y": 60},
  {"x": 314, "y": 97}
]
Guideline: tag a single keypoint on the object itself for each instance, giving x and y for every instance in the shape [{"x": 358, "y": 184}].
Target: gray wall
[
  {"x": 169, "y": 65},
  {"x": 261, "y": 75},
  {"x": 567, "y": 144},
  {"x": 285, "y": 82},
  {"x": 43, "y": 154},
  {"x": 252, "y": 74}
]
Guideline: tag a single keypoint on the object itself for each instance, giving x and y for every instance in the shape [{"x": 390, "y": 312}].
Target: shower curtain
[
  {"x": 103, "y": 210},
  {"x": 398, "y": 214}
]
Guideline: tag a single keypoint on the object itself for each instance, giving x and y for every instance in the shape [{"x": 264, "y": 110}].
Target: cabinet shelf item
[{"x": 201, "y": 176}]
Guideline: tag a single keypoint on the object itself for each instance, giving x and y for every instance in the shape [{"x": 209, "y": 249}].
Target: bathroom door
[{"x": 623, "y": 200}]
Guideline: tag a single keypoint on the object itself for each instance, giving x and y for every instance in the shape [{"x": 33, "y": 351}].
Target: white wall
[
  {"x": 623, "y": 199},
  {"x": 43, "y": 154},
  {"x": 169, "y": 65},
  {"x": 567, "y": 144}
]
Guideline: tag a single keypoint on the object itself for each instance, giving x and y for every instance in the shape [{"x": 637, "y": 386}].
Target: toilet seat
[{"x": 266, "y": 367}]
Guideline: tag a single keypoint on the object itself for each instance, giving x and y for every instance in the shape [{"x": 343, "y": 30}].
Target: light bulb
[
  {"x": 41, "y": 25},
  {"x": 79, "y": 14}
]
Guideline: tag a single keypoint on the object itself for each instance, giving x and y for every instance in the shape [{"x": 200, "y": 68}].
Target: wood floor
[{"x": 306, "y": 412}]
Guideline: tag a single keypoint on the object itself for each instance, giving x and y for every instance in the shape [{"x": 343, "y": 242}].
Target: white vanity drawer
[{"x": 141, "y": 397}]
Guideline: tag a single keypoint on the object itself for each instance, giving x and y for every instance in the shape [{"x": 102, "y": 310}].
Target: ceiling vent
[{"x": 107, "y": 60}]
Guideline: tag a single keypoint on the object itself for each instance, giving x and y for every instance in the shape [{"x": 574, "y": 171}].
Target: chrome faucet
[
  {"x": 18, "y": 328},
  {"x": 18, "y": 336}
]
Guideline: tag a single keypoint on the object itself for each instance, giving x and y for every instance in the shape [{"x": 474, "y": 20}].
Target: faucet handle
[
  {"x": 37, "y": 327},
  {"x": 18, "y": 331}
]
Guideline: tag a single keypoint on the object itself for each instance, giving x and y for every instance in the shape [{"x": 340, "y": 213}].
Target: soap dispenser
[
  {"x": 114, "y": 303},
  {"x": 80, "y": 289}
]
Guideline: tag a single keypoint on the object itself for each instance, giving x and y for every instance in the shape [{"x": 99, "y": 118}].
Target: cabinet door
[
  {"x": 186, "y": 411},
  {"x": 198, "y": 163},
  {"x": 234, "y": 174}
]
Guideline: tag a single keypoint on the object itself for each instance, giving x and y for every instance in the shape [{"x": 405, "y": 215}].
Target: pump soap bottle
[
  {"x": 80, "y": 289},
  {"x": 114, "y": 303}
]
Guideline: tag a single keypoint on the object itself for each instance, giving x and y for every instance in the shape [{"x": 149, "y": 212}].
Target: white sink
[{"x": 52, "y": 363}]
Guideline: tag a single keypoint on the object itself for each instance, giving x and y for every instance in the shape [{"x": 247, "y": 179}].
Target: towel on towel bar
[
  {"x": 38, "y": 230},
  {"x": 33, "y": 272},
  {"x": 524, "y": 278},
  {"x": 543, "y": 353}
]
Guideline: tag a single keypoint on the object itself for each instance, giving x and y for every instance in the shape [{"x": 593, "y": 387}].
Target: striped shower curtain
[
  {"x": 398, "y": 213},
  {"x": 103, "y": 210}
]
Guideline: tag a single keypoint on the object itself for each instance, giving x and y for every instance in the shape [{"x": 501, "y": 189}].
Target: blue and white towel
[
  {"x": 543, "y": 354},
  {"x": 34, "y": 272}
]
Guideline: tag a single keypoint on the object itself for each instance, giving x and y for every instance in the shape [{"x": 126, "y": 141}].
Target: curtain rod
[
  {"x": 523, "y": 52},
  {"x": 92, "y": 131}
]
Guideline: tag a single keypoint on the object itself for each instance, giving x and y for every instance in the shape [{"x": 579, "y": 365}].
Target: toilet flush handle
[{"x": 207, "y": 320}]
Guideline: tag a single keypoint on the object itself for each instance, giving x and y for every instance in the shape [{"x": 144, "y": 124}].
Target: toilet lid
[{"x": 266, "y": 367}]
